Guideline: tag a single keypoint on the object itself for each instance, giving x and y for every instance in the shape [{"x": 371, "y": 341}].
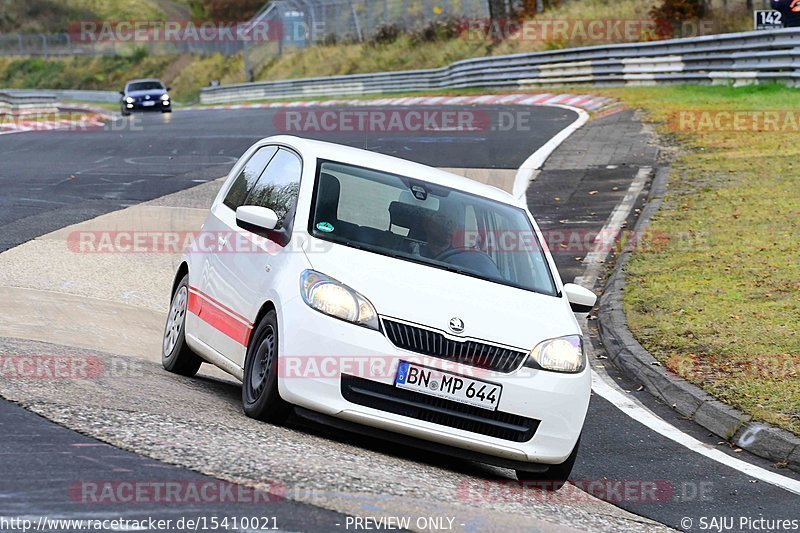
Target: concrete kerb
[{"x": 774, "y": 444}]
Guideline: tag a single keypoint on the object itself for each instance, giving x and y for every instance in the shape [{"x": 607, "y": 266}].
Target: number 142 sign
[{"x": 768, "y": 19}]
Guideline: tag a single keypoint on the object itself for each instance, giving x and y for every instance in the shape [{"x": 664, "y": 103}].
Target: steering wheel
[{"x": 447, "y": 254}]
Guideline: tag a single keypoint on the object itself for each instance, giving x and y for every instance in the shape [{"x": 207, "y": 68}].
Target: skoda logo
[{"x": 456, "y": 325}]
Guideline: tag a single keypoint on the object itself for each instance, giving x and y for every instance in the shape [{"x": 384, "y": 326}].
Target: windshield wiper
[{"x": 422, "y": 261}]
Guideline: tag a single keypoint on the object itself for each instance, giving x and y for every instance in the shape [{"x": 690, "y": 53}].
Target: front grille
[
  {"x": 437, "y": 410},
  {"x": 468, "y": 352}
]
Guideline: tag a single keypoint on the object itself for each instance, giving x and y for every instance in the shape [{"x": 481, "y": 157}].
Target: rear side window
[
  {"x": 248, "y": 177},
  {"x": 278, "y": 187}
]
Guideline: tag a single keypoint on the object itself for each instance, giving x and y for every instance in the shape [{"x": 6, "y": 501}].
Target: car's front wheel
[
  {"x": 176, "y": 356},
  {"x": 260, "y": 397},
  {"x": 556, "y": 476}
]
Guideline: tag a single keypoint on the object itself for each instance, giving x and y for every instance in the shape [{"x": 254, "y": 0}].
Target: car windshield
[
  {"x": 430, "y": 224},
  {"x": 145, "y": 86}
]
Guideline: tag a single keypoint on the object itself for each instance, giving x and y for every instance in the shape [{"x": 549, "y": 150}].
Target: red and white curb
[{"x": 583, "y": 101}]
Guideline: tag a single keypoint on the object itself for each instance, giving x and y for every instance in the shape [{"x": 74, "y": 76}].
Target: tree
[
  {"x": 500, "y": 9},
  {"x": 231, "y": 10},
  {"x": 670, "y": 14}
]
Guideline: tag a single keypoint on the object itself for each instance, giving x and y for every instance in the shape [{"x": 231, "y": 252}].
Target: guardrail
[
  {"x": 109, "y": 97},
  {"x": 734, "y": 58},
  {"x": 62, "y": 95},
  {"x": 26, "y": 102}
]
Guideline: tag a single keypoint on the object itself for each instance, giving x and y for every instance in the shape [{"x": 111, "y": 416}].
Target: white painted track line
[
  {"x": 537, "y": 159},
  {"x": 628, "y": 405},
  {"x": 594, "y": 260}
]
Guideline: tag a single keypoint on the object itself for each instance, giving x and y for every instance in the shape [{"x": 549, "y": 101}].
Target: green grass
[
  {"x": 99, "y": 73},
  {"x": 55, "y": 16},
  {"x": 341, "y": 59},
  {"x": 412, "y": 52},
  {"x": 111, "y": 73},
  {"x": 718, "y": 302}
]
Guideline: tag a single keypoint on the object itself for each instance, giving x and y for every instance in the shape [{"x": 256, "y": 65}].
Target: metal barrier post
[
  {"x": 355, "y": 21},
  {"x": 246, "y": 54}
]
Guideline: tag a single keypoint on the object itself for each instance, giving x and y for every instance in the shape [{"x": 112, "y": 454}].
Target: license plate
[
  {"x": 449, "y": 386},
  {"x": 148, "y": 104}
]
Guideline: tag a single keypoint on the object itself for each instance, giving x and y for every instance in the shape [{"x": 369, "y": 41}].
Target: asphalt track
[
  {"x": 55, "y": 179},
  {"x": 49, "y": 180}
]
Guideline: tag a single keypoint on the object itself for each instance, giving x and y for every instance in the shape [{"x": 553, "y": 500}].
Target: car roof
[
  {"x": 394, "y": 165},
  {"x": 146, "y": 80}
]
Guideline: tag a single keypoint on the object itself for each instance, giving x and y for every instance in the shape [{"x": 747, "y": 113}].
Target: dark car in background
[{"x": 145, "y": 95}]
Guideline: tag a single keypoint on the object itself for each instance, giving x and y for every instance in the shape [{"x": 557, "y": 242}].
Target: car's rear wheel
[
  {"x": 176, "y": 356},
  {"x": 260, "y": 397},
  {"x": 556, "y": 476}
]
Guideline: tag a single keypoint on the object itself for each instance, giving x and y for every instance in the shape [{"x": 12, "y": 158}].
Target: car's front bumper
[
  {"x": 316, "y": 350},
  {"x": 157, "y": 105}
]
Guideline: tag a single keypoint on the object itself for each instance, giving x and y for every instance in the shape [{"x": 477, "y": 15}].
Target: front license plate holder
[{"x": 448, "y": 385}]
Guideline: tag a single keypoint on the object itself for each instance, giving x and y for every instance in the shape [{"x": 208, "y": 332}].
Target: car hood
[
  {"x": 431, "y": 296},
  {"x": 152, "y": 94}
]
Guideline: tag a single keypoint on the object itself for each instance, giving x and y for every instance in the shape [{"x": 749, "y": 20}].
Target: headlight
[
  {"x": 165, "y": 97},
  {"x": 328, "y": 296},
  {"x": 129, "y": 100},
  {"x": 564, "y": 354}
]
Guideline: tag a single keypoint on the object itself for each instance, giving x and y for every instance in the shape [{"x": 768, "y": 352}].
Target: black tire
[
  {"x": 176, "y": 356},
  {"x": 556, "y": 476},
  {"x": 260, "y": 397},
  {"x": 166, "y": 111},
  {"x": 126, "y": 113}
]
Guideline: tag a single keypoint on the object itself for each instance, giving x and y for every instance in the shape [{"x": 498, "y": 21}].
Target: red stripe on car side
[
  {"x": 213, "y": 314},
  {"x": 220, "y": 305}
]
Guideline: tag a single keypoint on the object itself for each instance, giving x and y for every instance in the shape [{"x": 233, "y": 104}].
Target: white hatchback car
[{"x": 386, "y": 297}]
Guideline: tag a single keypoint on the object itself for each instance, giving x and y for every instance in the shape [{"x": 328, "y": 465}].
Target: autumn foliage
[{"x": 670, "y": 14}]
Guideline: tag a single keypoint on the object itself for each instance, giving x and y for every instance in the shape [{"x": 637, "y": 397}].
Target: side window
[
  {"x": 247, "y": 178},
  {"x": 278, "y": 187}
]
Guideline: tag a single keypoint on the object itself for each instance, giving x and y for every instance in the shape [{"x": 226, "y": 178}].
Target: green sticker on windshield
[{"x": 326, "y": 227}]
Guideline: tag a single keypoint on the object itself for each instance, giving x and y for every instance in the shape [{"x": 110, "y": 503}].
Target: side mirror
[
  {"x": 169, "y": 88},
  {"x": 581, "y": 300},
  {"x": 256, "y": 219},
  {"x": 122, "y": 93}
]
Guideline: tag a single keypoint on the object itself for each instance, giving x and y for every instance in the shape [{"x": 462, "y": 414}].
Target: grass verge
[
  {"x": 717, "y": 301},
  {"x": 186, "y": 74}
]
